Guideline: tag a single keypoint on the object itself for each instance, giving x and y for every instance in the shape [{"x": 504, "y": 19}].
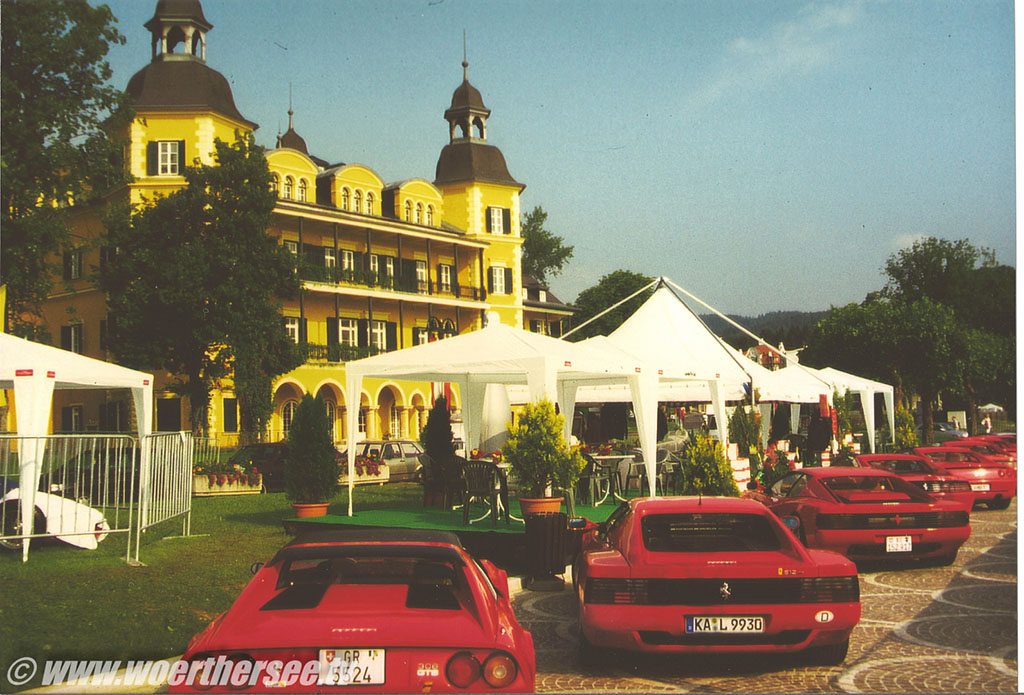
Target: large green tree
[
  {"x": 194, "y": 284},
  {"x": 55, "y": 144},
  {"x": 544, "y": 253},
  {"x": 611, "y": 288}
]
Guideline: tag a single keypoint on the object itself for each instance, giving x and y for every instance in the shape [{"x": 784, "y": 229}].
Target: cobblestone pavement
[{"x": 923, "y": 630}]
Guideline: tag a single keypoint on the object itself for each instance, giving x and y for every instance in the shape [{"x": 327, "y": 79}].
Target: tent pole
[{"x": 613, "y": 306}]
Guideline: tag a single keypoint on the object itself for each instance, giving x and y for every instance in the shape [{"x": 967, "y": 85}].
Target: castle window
[
  {"x": 348, "y": 260},
  {"x": 330, "y": 260},
  {"x": 291, "y": 324},
  {"x": 419, "y": 213},
  {"x": 347, "y": 331},
  {"x": 73, "y": 264},
  {"x": 430, "y": 215},
  {"x": 499, "y": 221},
  {"x": 287, "y": 415},
  {"x": 408, "y": 211},
  {"x": 302, "y": 190},
  {"x": 344, "y": 198},
  {"x": 421, "y": 276},
  {"x": 164, "y": 157},
  {"x": 357, "y": 201},
  {"x": 369, "y": 203},
  {"x": 444, "y": 277},
  {"x": 289, "y": 186},
  {"x": 499, "y": 280},
  {"x": 71, "y": 338},
  {"x": 275, "y": 184}
]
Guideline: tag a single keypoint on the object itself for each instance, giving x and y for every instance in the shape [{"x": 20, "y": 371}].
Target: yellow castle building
[{"x": 384, "y": 266}]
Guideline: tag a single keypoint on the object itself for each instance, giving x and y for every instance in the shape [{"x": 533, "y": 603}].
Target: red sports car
[
  {"x": 387, "y": 610},
  {"x": 712, "y": 574},
  {"x": 999, "y": 450},
  {"x": 926, "y": 474},
  {"x": 868, "y": 514},
  {"x": 993, "y": 483}
]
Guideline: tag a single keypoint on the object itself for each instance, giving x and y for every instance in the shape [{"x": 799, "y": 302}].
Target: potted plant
[
  {"x": 311, "y": 467},
  {"x": 540, "y": 458}
]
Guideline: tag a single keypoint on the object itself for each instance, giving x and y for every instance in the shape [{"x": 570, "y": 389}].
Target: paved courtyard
[{"x": 924, "y": 630}]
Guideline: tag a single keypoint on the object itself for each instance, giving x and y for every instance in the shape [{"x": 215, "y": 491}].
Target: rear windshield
[
  {"x": 700, "y": 533},
  {"x": 903, "y": 466},
  {"x": 867, "y": 489}
]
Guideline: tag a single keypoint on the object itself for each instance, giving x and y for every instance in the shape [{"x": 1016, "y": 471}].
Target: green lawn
[{"x": 69, "y": 603}]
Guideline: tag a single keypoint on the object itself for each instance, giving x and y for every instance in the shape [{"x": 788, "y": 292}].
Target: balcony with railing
[
  {"x": 337, "y": 352},
  {"x": 380, "y": 280}
]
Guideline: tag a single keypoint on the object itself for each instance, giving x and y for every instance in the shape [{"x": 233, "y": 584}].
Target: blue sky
[{"x": 763, "y": 155}]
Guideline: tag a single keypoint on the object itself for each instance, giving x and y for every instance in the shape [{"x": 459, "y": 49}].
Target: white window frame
[
  {"x": 422, "y": 336},
  {"x": 445, "y": 279},
  {"x": 395, "y": 422},
  {"x": 344, "y": 198},
  {"x": 289, "y": 187},
  {"x": 169, "y": 157},
  {"x": 362, "y": 421},
  {"x": 498, "y": 280},
  {"x": 421, "y": 275},
  {"x": 374, "y": 263},
  {"x": 348, "y": 332},
  {"x": 287, "y": 415},
  {"x": 389, "y": 266},
  {"x": 330, "y": 259},
  {"x": 430, "y": 215},
  {"x": 369, "y": 203},
  {"x": 291, "y": 324},
  {"x": 302, "y": 189},
  {"x": 331, "y": 417},
  {"x": 348, "y": 260},
  {"x": 379, "y": 334},
  {"x": 497, "y": 221},
  {"x": 357, "y": 201}
]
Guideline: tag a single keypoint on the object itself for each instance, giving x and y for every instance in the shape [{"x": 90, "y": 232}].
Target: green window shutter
[
  {"x": 508, "y": 280},
  {"x": 332, "y": 330},
  {"x": 487, "y": 220},
  {"x": 506, "y": 220},
  {"x": 363, "y": 332},
  {"x": 303, "y": 331},
  {"x": 152, "y": 158},
  {"x": 555, "y": 329},
  {"x": 65, "y": 337},
  {"x": 181, "y": 157},
  {"x": 490, "y": 279},
  {"x": 391, "y": 336}
]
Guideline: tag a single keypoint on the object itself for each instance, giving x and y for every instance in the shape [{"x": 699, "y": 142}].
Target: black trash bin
[{"x": 546, "y": 545}]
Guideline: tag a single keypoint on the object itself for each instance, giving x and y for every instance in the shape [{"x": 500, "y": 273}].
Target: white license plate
[
  {"x": 898, "y": 544},
  {"x": 351, "y": 667},
  {"x": 980, "y": 487},
  {"x": 724, "y": 623}
]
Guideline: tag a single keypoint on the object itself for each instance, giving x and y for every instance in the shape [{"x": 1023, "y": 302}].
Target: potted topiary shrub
[
  {"x": 311, "y": 466},
  {"x": 540, "y": 458},
  {"x": 705, "y": 470}
]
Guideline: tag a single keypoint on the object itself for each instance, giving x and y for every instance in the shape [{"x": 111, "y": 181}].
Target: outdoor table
[
  {"x": 612, "y": 464},
  {"x": 501, "y": 468}
]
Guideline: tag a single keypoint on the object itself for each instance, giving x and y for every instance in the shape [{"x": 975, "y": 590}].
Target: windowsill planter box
[
  {"x": 382, "y": 476},
  {"x": 211, "y": 484}
]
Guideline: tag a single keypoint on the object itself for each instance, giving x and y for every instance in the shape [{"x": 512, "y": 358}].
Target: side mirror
[
  {"x": 498, "y": 577},
  {"x": 256, "y": 567}
]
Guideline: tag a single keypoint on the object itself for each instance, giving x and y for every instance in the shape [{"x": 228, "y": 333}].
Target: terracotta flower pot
[
  {"x": 303, "y": 511},
  {"x": 540, "y": 505}
]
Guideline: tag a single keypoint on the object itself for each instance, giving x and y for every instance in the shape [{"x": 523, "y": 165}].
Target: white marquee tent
[
  {"x": 866, "y": 389},
  {"x": 33, "y": 371},
  {"x": 500, "y": 354}
]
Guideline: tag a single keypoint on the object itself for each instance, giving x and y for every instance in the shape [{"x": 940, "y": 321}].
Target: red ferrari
[
  {"x": 997, "y": 450},
  {"x": 993, "y": 483},
  {"x": 923, "y": 472},
  {"x": 712, "y": 574},
  {"x": 868, "y": 514},
  {"x": 388, "y": 611}
]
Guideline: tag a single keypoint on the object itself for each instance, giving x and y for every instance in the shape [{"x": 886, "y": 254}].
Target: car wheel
[
  {"x": 12, "y": 524},
  {"x": 590, "y": 656},
  {"x": 830, "y": 654},
  {"x": 946, "y": 560},
  {"x": 1000, "y": 503}
]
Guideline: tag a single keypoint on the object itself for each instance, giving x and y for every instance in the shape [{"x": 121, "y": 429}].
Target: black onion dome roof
[
  {"x": 473, "y": 161},
  {"x": 185, "y": 85},
  {"x": 467, "y": 95},
  {"x": 293, "y": 140},
  {"x": 190, "y": 10}
]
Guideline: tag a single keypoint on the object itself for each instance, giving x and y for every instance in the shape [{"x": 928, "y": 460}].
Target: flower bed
[
  {"x": 368, "y": 471},
  {"x": 209, "y": 484}
]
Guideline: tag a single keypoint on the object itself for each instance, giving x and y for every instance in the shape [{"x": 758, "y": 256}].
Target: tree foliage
[
  {"x": 311, "y": 468},
  {"x": 55, "y": 144},
  {"x": 194, "y": 282},
  {"x": 705, "y": 470},
  {"x": 611, "y": 288},
  {"x": 537, "y": 452},
  {"x": 544, "y": 253}
]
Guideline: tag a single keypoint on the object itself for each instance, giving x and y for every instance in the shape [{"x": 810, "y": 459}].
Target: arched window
[
  {"x": 430, "y": 215},
  {"x": 344, "y": 199},
  {"x": 275, "y": 184},
  {"x": 419, "y": 213},
  {"x": 302, "y": 190},
  {"x": 408, "y": 211},
  {"x": 289, "y": 185},
  {"x": 369, "y": 203},
  {"x": 357, "y": 201},
  {"x": 287, "y": 415}
]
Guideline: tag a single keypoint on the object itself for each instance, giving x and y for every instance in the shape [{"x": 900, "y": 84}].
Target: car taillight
[
  {"x": 952, "y": 519},
  {"x": 829, "y": 590},
  {"x": 615, "y": 591},
  {"x": 462, "y": 670},
  {"x": 500, "y": 670}
]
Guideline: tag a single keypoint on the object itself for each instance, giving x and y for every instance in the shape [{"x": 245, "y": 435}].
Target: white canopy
[
  {"x": 33, "y": 371},
  {"x": 499, "y": 354},
  {"x": 866, "y": 389}
]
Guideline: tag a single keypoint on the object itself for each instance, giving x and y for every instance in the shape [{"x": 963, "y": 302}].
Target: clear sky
[{"x": 763, "y": 155}]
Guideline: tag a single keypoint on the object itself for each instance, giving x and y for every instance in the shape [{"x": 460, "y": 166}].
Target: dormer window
[
  {"x": 302, "y": 190},
  {"x": 275, "y": 184},
  {"x": 357, "y": 201},
  {"x": 408, "y": 211},
  {"x": 430, "y": 215},
  {"x": 289, "y": 187},
  {"x": 419, "y": 213},
  {"x": 369, "y": 203},
  {"x": 344, "y": 198}
]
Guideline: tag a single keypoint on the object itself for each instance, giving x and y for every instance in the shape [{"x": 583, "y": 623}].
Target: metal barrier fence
[{"x": 94, "y": 485}]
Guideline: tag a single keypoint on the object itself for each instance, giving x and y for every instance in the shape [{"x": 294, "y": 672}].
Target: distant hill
[{"x": 792, "y": 328}]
